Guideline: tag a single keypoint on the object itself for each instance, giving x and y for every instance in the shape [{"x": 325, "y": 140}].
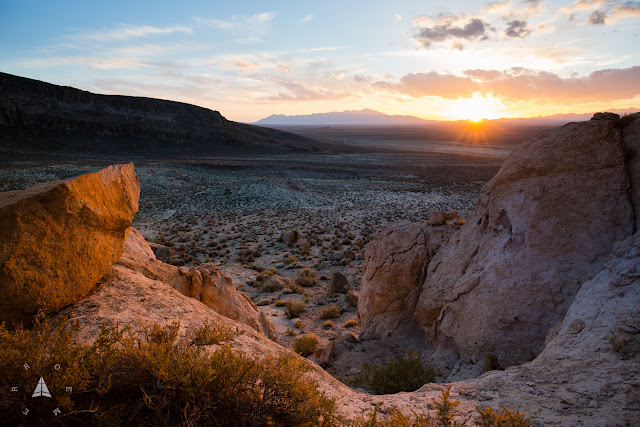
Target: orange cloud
[{"x": 520, "y": 84}]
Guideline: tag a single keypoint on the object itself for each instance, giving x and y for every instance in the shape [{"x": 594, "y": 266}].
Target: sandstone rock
[
  {"x": 352, "y": 298},
  {"x": 277, "y": 283},
  {"x": 436, "y": 218},
  {"x": 337, "y": 256},
  {"x": 205, "y": 283},
  {"x": 324, "y": 354},
  {"x": 394, "y": 270},
  {"x": 543, "y": 225},
  {"x": 575, "y": 368},
  {"x": 161, "y": 252},
  {"x": 59, "y": 238},
  {"x": 339, "y": 284}
]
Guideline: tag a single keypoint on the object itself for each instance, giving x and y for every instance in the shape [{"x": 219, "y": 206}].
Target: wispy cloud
[
  {"x": 305, "y": 19},
  {"x": 130, "y": 32},
  {"x": 256, "y": 23},
  {"x": 450, "y": 29}
]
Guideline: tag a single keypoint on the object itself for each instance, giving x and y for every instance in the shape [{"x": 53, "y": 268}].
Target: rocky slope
[
  {"x": 544, "y": 225},
  {"x": 42, "y": 118}
]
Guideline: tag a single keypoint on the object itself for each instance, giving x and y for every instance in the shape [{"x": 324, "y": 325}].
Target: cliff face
[
  {"x": 44, "y": 116},
  {"x": 545, "y": 224}
]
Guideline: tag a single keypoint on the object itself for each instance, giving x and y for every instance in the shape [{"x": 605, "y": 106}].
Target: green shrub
[
  {"x": 306, "y": 345},
  {"x": 154, "y": 378},
  {"x": 299, "y": 324},
  {"x": 331, "y": 312},
  {"x": 295, "y": 309},
  {"x": 350, "y": 323},
  {"x": 406, "y": 373}
]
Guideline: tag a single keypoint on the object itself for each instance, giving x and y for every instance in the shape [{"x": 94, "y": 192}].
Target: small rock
[
  {"x": 436, "y": 218},
  {"x": 339, "y": 284},
  {"x": 605, "y": 116}
]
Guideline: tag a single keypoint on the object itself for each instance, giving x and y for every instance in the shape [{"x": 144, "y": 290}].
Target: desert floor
[{"x": 232, "y": 211}]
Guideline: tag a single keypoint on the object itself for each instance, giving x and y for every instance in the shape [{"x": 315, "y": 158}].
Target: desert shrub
[
  {"x": 350, "y": 323},
  {"x": 306, "y": 345},
  {"x": 298, "y": 324},
  {"x": 625, "y": 347},
  {"x": 154, "y": 378},
  {"x": 501, "y": 418},
  {"x": 331, "y": 312},
  {"x": 263, "y": 277},
  {"x": 295, "y": 309},
  {"x": 328, "y": 324},
  {"x": 306, "y": 277},
  {"x": 406, "y": 373},
  {"x": 290, "y": 259},
  {"x": 280, "y": 303}
]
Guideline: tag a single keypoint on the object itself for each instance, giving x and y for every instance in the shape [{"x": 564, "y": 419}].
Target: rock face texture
[
  {"x": 205, "y": 283},
  {"x": 544, "y": 225},
  {"x": 40, "y": 117},
  {"x": 589, "y": 370},
  {"x": 395, "y": 268},
  {"x": 59, "y": 238}
]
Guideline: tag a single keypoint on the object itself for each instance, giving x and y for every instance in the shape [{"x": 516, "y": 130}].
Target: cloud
[
  {"x": 430, "y": 84},
  {"x": 253, "y": 24},
  {"x": 130, "y": 32},
  {"x": 627, "y": 9},
  {"x": 449, "y": 30},
  {"x": 397, "y": 18},
  {"x": 597, "y": 17},
  {"x": 517, "y": 29},
  {"x": 521, "y": 84},
  {"x": 297, "y": 91},
  {"x": 305, "y": 19},
  {"x": 498, "y": 7}
]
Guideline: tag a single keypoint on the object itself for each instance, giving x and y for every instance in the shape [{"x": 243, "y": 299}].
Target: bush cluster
[
  {"x": 306, "y": 345},
  {"x": 294, "y": 309},
  {"x": 406, "y": 373},
  {"x": 154, "y": 378},
  {"x": 331, "y": 312}
]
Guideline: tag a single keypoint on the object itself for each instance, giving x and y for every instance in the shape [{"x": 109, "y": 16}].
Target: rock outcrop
[
  {"x": 38, "y": 117},
  {"x": 59, "y": 238},
  {"x": 205, "y": 283},
  {"x": 395, "y": 268},
  {"x": 544, "y": 225}
]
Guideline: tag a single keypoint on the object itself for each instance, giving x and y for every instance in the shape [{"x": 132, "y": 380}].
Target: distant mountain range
[
  {"x": 349, "y": 117},
  {"x": 368, "y": 117}
]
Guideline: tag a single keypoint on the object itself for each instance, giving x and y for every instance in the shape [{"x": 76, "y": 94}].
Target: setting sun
[{"x": 476, "y": 108}]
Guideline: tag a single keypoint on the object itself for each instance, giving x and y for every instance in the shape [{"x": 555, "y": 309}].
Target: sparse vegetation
[
  {"x": 406, "y": 373},
  {"x": 306, "y": 278},
  {"x": 328, "y": 324},
  {"x": 445, "y": 416},
  {"x": 155, "y": 378},
  {"x": 350, "y": 323},
  {"x": 290, "y": 259},
  {"x": 295, "y": 309},
  {"x": 306, "y": 345},
  {"x": 331, "y": 312}
]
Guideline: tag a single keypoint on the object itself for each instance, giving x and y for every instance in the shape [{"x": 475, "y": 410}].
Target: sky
[{"x": 461, "y": 59}]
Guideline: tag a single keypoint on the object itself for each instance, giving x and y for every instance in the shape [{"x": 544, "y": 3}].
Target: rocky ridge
[{"x": 544, "y": 225}]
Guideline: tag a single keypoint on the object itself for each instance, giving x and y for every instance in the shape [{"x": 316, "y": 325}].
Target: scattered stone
[
  {"x": 339, "y": 284},
  {"x": 161, "y": 252},
  {"x": 436, "y": 218},
  {"x": 290, "y": 237}
]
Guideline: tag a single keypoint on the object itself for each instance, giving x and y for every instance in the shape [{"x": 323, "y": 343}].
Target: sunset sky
[{"x": 248, "y": 60}]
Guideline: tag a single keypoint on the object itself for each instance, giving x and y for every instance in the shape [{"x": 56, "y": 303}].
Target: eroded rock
[{"x": 59, "y": 238}]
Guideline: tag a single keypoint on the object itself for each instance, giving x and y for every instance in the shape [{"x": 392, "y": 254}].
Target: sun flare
[{"x": 476, "y": 108}]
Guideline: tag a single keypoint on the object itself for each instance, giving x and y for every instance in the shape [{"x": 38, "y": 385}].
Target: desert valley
[{"x": 477, "y": 263}]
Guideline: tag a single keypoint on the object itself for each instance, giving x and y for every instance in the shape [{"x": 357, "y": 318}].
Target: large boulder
[
  {"x": 206, "y": 283},
  {"x": 394, "y": 271},
  {"x": 59, "y": 238},
  {"x": 543, "y": 225}
]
